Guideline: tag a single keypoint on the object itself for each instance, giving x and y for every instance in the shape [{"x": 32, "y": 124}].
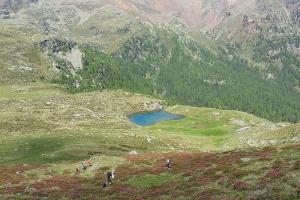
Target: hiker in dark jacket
[
  {"x": 109, "y": 177},
  {"x": 169, "y": 164}
]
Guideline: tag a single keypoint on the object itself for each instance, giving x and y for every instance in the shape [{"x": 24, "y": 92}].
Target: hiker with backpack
[
  {"x": 110, "y": 176},
  {"x": 169, "y": 164}
]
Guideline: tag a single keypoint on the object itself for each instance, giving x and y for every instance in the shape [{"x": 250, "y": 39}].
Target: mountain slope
[
  {"x": 225, "y": 54},
  {"x": 68, "y": 73}
]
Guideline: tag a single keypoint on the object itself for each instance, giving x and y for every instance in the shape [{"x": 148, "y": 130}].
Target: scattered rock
[
  {"x": 216, "y": 114},
  {"x": 20, "y": 68},
  {"x": 282, "y": 124},
  {"x": 151, "y": 106},
  {"x": 133, "y": 153},
  {"x": 172, "y": 148},
  {"x": 149, "y": 138},
  {"x": 30, "y": 190},
  {"x": 252, "y": 143},
  {"x": 245, "y": 159},
  {"x": 244, "y": 129},
  {"x": 215, "y": 82},
  {"x": 238, "y": 122},
  {"x": 295, "y": 139},
  {"x": 252, "y": 122},
  {"x": 273, "y": 142}
]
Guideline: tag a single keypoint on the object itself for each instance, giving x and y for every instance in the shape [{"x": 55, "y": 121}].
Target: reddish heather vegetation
[
  {"x": 268, "y": 173},
  {"x": 13, "y": 174}
]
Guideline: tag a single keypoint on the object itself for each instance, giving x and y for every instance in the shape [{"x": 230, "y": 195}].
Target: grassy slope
[
  {"x": 269, "y": 173},
  {"x": 65, "y": 127},
  {"x": 46, "y": 133},
  {"x": 20, "y": 60}
]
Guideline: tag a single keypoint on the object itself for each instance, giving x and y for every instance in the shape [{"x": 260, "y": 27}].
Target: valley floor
[{"x": 46, "y": 133}]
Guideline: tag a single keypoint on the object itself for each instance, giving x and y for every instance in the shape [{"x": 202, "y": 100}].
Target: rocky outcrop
[
  {"x": 17, "y": 4},
  {"x": 4, "y": 14},
  {"x": 153, "y": 106},
  {"x": 63, "y": 53},
  {"x": 7, "y": 6},
  {"x": 57, "y": 45}
]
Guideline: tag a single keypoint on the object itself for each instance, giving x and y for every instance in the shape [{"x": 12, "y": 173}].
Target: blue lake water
[{"x": 147, "y": 119}]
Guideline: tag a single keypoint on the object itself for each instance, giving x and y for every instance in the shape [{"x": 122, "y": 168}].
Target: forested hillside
[{"x": 182, "y": 71}]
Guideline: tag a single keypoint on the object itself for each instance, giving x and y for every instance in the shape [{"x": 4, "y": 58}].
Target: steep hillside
[
  {"x": 264, "y": 33},
  {"x": 241, "y": 55}
]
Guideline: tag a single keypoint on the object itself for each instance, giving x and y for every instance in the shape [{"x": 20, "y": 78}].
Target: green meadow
[{"x": 42, "y": 123}]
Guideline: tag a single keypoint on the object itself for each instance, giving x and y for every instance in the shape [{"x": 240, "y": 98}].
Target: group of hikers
[{"x": 110, "y": 174}]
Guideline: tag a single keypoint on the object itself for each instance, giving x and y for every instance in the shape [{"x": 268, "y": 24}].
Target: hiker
[
  {"x": 104, "y": 184},
  {"x": 110, "y": 176},
  {"x": 169, "y": 164},
  {"x": 83, "y": 167}
]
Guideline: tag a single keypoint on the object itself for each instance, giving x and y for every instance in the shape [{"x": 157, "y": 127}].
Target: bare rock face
[
  {"x": 57, "y": 45},
  {"x": 17, "y": 4},
  {"x": 5, "y": 14}
]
